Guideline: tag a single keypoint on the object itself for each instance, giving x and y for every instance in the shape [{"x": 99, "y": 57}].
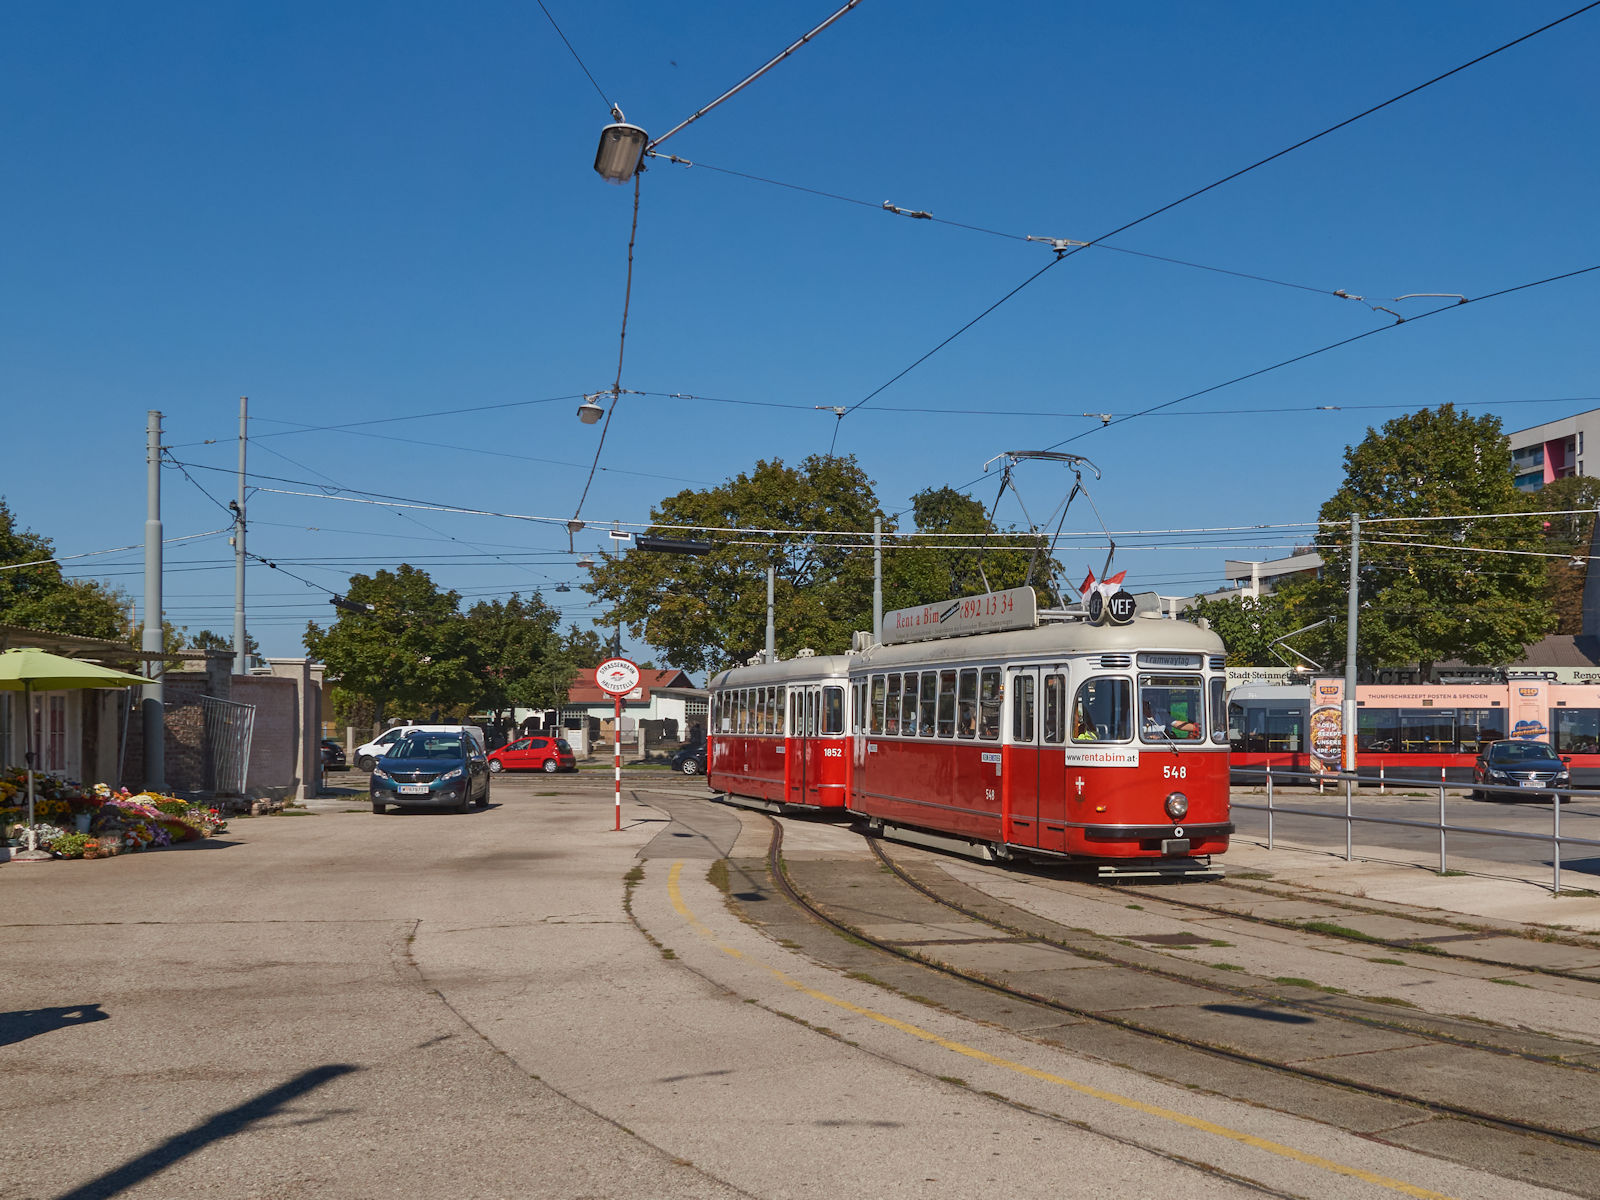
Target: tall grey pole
[
  {"x": 877, "y": 580},
  {"x": 1350, "y": 645},
  {"x": 772, "y": 635},
  {"x": 240, "y": 667},
  {"x": 153, "y": 703}
]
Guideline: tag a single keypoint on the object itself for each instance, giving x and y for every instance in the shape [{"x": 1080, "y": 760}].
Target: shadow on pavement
[
  {"x": 25, "y": 1023},
  {"x": 223, "y": 1124}
]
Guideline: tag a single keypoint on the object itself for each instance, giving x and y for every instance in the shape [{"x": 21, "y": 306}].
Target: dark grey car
[{"x": 432, "y": 770}]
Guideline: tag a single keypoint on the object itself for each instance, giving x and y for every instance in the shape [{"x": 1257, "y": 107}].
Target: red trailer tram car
[
  {"x": 1059, "y": 740},
  {"x": 778, "y": 734}
]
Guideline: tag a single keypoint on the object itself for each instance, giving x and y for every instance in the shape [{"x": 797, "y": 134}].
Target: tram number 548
[{"x": 1170, "y": 772}]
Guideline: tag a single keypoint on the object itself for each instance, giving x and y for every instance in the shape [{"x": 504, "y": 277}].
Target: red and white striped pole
[{"x": 617, "y": 677}]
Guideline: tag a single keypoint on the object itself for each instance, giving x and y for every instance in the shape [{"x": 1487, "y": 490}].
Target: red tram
[{"x": 1058, "y": 740}]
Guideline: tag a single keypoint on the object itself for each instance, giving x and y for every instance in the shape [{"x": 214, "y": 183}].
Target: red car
[{"x": 533, "y": 754}]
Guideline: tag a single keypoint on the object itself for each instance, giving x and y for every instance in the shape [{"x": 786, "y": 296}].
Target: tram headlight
[{"x": 1177, "y": 805}]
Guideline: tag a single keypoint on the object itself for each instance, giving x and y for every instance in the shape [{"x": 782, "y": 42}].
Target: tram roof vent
[
  {"x": 1112, "y": 661},
  {"x": 805, "y": 652}
]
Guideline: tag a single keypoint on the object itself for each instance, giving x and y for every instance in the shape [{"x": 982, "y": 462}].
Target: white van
[{"x": 368, "y": 755}]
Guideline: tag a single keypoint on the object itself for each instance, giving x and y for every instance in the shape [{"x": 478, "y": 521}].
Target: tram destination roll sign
[{"x": 993, "y": 612}]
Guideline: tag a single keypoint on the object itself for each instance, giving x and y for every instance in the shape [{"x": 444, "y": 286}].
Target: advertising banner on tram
[{"x": 994, "y": 612}]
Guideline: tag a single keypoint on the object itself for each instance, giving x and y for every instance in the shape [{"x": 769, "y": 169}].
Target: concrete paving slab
[
  {"x": 1273, "y": 1032},
  {"x": 1558, "y": 1097}
]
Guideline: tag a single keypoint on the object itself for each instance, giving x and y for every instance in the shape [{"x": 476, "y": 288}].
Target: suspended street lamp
[{"x": 621, "y": 149}]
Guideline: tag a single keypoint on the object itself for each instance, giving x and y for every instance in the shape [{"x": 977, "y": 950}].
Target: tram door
[
  {"x": 800, "y": 770},
  {"x": 1020, "y": 823},
  {"x": 1053, "y": 697}
]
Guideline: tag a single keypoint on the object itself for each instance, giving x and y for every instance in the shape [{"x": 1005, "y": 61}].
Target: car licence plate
[
  {"x": 1530, "y": 783},
  {"x": 413, "y": 789}
]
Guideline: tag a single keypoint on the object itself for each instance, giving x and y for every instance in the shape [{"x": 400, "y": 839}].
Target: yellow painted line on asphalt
[{"x": 675, "y": 893}]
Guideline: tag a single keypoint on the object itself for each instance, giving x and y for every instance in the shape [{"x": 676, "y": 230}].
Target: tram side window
[
  {"x": 1054, "y": 728},
  {"x": 1219, "y": 709},
  {"x": 746, "y": 704},
  {"x": 908, "y": 706},
  {"x": 1262, "y": 729},
  {"x": 1477, "y": 727},
  {"x": 891, "y": 722},
  {"x": 879, "y": 687},
  {"x": 833, "y": 710},
  {"x": 990, "y": 693},
  {"x": 811, "y": 712},
  {"x": 761, "y": 711},
  {"x": 1103, "y": 711},
  {"x": 947, "y": 704},
  {"x": 724, "y": 715},
  {"x": 793, "y": 727},
  {"x": 929, "y": 707},
  {"x": 1575, "y": 730},
  {"x": 967, "y": 704},
  {"x": 1022, "y": 709}
]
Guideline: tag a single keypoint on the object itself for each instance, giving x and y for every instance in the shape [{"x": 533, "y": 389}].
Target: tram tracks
[
  {"x": 1405, "y": 1102},
  {"x": 1424, "y": 946}
]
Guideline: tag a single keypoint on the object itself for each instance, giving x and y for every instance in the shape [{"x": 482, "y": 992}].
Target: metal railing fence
[
  {"x": 229, "y": 727},
  {"x": 1351, "y": 781}
]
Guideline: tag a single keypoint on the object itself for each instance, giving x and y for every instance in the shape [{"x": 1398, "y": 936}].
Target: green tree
[
  {"x": 814, "y": 522},
  {"x": 1461, "y": 587},
  {"x": 947, "y": 566},
  {"x": 410, "y": 656},
  {"x": 706, "y": 611},
  {"x": 585, "y": 647},
  {"x": 1249, "y": 627},
  {"x": 518, "y": 655},
  {"x": 1571, "y": 533},
  {"x": 207, "y": 640},
  {"x": 40, "y": 597}
]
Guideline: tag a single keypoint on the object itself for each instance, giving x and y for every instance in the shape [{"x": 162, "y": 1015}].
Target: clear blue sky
[{"x": 350, "y": 212}]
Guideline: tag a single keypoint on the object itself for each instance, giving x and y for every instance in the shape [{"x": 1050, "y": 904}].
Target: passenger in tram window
[
  {"x": 969, "y": 723},
  {"x": 1082, "y": 728},
  {"x": 991, "y": 693},
  {"x": 1180, "y": 724}
]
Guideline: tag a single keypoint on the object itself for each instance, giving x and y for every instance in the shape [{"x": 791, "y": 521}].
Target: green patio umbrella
[{"x": 28, "y": 670}]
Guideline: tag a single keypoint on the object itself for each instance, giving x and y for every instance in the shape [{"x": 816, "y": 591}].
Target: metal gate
[{"x": 229, "y": 726}]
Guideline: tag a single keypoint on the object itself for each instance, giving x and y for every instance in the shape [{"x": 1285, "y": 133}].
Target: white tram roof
[
  {"x": 788, "y": 670},
  {"x": 1053, "y": 639}
]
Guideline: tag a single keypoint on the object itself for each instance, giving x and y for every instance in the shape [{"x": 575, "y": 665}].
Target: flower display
[{"x": 116, "y": 818}]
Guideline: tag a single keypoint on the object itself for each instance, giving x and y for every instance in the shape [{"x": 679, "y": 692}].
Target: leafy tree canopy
[
  {"x": 1569, "y": 533},
  {"x": 1433, "y": 590},
  {"x": 812, "y": 524},
  {"x": 410, "y": 656},
  {"x": 518, "y": 655},
  {"x": 1249, "y": 627},
  {"x": 40, "y": 597}
]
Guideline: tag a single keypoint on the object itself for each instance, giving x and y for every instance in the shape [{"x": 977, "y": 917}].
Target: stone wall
[{"x": 275, "y": 742}]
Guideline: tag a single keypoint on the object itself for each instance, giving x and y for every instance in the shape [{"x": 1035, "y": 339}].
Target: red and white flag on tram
[{"x": 1104, "y": 586}]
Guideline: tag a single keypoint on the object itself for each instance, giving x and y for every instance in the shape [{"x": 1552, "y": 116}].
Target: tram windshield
[{"x": 1171, "y": 707}]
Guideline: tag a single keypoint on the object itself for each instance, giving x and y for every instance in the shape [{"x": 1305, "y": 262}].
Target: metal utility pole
[
  {"x": 772, "y": 636},
  {"x": 877, "y": 580},
  {"x": 240, "y": 666},
  {"x": 153, "y": 705},
  {"x": 1350, "y": 646}
]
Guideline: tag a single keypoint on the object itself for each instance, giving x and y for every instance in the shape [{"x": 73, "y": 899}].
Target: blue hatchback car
[{"x": 432, "y": 769}]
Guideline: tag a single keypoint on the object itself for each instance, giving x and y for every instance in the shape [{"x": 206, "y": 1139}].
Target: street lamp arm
[{"x": 740, "y": 86}]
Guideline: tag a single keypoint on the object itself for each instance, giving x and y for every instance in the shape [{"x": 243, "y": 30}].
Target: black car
[
  {"x": 690, "y": 759},
  {"x": 332, "y": 755},
  {"x": 432, "y": 770},
  {"x": 1527, "y": 767}
]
